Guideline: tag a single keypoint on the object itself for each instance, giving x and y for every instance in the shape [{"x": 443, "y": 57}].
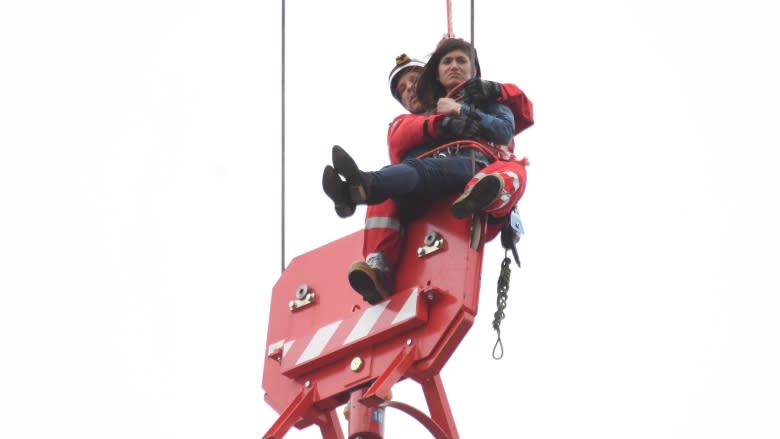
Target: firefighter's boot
[
  {"x": 479, "y": 196},
  {"x": 338, "y": 191},
  {"x": 357, "y": 180},
  {"x": 372, "y": 278}
]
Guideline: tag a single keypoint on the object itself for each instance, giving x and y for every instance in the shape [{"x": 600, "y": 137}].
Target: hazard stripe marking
[
  {"x": 274, "y": 346},
  {"x": 366, "y": 322},
  {"x": 287, "y": 347},
  {"x": 372, "y": 323},
  {"x": 284, "y": 345},
  {"x": 318, "y": 342},
  {"x": 409, "y": 309}
]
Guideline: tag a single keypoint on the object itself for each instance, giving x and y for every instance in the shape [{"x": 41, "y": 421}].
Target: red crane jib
[{"x": 324, "y": 342}]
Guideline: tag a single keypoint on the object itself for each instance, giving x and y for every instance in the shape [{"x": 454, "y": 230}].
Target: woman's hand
[{"x": 448, "y": 106}]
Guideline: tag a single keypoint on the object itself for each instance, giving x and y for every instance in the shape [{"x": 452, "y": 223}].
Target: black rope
[
  {"x": 501, "y": 297},
  {"x": 283, "y": 126},
  {"x": 472, "y": 24},
  {"x": 473, "y": 50}
]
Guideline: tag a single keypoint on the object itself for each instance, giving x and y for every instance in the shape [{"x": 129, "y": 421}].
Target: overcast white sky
[{"x": 140, "y": 211}]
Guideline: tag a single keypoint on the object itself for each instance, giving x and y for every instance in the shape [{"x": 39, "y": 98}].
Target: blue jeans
[{"x": 415, "y": 183}]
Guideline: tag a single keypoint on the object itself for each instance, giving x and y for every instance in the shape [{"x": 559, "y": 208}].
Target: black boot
[
  {"x": 338, "y": 191},
  {"x": 357, "y": 180}
]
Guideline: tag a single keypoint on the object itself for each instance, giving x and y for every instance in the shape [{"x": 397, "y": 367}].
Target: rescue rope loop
[
  {"x": 501, "y": 298},
  {"x": 454, "y": 93},
  {"x": 449, "y": 19}
]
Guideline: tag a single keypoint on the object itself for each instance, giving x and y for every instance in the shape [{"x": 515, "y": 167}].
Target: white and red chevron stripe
[{"x": 377, "y": 322}]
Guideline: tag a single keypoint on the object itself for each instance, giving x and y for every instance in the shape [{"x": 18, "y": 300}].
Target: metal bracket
[
  {"x": 304, "y": 296},
  {"x": 433, "y": 242}
]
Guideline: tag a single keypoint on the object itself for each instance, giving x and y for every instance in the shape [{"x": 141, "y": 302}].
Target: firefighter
[{"x": 384, "y": 225}]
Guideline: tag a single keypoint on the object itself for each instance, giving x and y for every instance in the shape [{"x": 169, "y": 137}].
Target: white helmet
[{"x": 402, "y": 62}]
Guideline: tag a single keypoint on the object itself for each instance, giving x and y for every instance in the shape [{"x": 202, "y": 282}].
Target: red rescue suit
[{"x": 383, "y": 230}]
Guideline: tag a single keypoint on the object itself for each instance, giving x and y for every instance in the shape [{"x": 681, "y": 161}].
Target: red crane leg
[
  {"x": 291, "y": 414},
  {"x": 377, "y": 393},
  {"x": 329, "y": 426},
  {"x": 438, "y": 406}
]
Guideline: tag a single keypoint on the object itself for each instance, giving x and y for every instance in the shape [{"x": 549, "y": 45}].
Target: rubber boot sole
[
  {"x": 480, "y": 196},
  {"x": 363, "y": 279},
  {"x": 338, "y": 191},
  {"x": 347, "y": 167}
]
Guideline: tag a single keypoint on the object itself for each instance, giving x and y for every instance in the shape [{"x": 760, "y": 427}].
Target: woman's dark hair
[{"x": 429, "y": 89}]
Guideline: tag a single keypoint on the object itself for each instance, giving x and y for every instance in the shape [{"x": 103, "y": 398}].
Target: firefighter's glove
[
  {"x": 460, "y": 127},
  {"x": 481, "y": 92}
]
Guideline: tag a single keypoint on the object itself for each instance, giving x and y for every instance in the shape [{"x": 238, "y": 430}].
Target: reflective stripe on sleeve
[{"x": 383, "y": 222}]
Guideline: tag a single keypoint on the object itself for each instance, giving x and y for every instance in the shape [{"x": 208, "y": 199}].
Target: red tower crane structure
[{"x": 326, "y": 347}]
